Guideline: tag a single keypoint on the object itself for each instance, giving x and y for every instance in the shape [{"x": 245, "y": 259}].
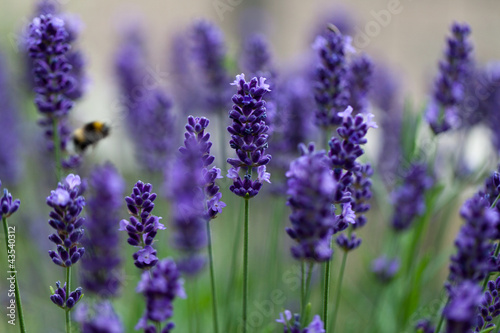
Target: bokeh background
[{"x": 411, "y": 43}]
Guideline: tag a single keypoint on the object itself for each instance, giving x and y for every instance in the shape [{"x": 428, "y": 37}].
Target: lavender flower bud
[
  {"x": 460, "y": 312},
  {"x": 100, "y": 317},
  {"x": 292, "y": 323},
  {"x": 359, "y": 79}
]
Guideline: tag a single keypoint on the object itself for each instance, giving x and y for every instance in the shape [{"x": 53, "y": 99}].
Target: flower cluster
[
  {"x": 249, "y": 136},
  {"x": 460, "y": 312},
  {"x": 64, "y": 301},
  {"x": 101, "y": 264},
  {"x": 48, "y": 46},
  {"x": 385, "y": 268},
  {"x": 311, "y": 190},
  {"x": 142, "y": 225},
  {"x": 196, "y": 196},
  {"x": 160, "y": 288},
  {"x": 489, "y": 308},
  {"x": 359, "y": 79},
  {"x": 331, "y": 92},
  {"x": 442, "y": 112},
  {"x": 292, "y": 323},
  {"x": 146, "y": 106},
  {"x": 354, "y": 188},
  {"x": 100, "y": 317},
  {"x": 7, "y": 205},
  {"x": 208, "y": 52},
  {"x": 67, "y": 203},
  {"x": 409, "y": 198},
  {"x": 471, "y": 262}
]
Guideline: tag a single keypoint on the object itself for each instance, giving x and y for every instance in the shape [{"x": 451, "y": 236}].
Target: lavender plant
[
  {"x": 67, "y": 203},
  {"x": 101, "y": 266},
  {"x": 142, "y": 225},
  {"x": 292, "y": 323},
  {"x": 441, "y": 113},
  {"x": 100, "y": 317},
  {"x": 249, "y": 138},
  {"x": 48, "y": 45}
]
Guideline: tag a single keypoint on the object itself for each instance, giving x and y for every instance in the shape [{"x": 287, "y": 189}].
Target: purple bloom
[
  {"x": 160, "y": 288},
  {"x": 256, "y": 57},
  {"x": 442, "y": 112},
  {"x": 100, "y": 274},
  {"x": 67, "y": 204},
  {"x": 461, "y": 310},
  {"x": 409, "y": 198},
  {"x": 348, "y": 243},
  {"x": 142, "y": 225},
  {"x": 331, "y": 91},
  {"x": 359, "y": 78},
  {"x": 248, "y": 135},
  {"x": 489, "y": 308},
  {"x": 385, "y": 268},
  {"x": 425, "y": 326},
  {"x": 208, "y": 52},
  {"x": 10, "y": 140},
  {"x": 195, "y": 193},
  {"x": 311, "y": 189},
  {"x": 471, "y": 262},
  {"x": 49, "y": 45},
  {"x": 292, "y": 324},
  {"x": 59, "y": 297},
  {"x": 7, "y": 205},
  {"x": 99, "y": 318}
]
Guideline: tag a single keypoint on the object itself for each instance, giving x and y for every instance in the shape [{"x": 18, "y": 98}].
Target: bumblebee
[{"x": 89, "y": 134}]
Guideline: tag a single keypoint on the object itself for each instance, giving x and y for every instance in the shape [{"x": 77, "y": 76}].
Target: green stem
[
  {"x": 441, "y": 319},
  {"x": 68, "y": 290},
  {"x": 233, "y": 271},
  {"x": 57, "y": 148},
  {"x": 245, "y": 267},
  {"x": 326, "y": 292},
  {"x": 17, "y": 294},
  {"x": 302, "y": 287},
  {"x": 307, "y": 292},
  {"x": 337, "y": 293},
  {"x": 212, "y": 279}
]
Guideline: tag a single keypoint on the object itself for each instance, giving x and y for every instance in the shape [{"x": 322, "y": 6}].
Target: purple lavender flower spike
[
  {"x": 142, "y": 225},
  {"x": 471, "y": 262},
  {"x": 100, "y": 274},
  {"x": 312, "y": 219},
  {"x": 248, "y": 136},
  {"x": 359, "y": 80},
  {"x": 409, "y": 198},
  {"x": 292, "y": 324},
  {"x": 160, "y": 290},
  {"x": 331, "y": 91},
  {"x": 442, "y": 112},
  {"x": 385, "y": 268},
  {"x": 461, "y": 310},
  {"x": 49, "y": 46},
  {"x": 100, "y": 317},
  {"x": 208, "y": 52},
  {"x": 10, "y": 139},
  {"x": 353, "y": 178},
  {"x": 195, "y": 193},
  {"x": 489, "y": 307},
  {"x": 67, "y": 203}
]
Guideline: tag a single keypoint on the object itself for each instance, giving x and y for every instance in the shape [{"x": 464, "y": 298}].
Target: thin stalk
[
  {"x": 233, "y": 269},
  {"x": 68, "y": 290},
  {"x": 57, "y": 148},
  {"x": 17, "y": 294},
  {"x": 212, "y": 279},
  {"x": 307, "y": 292},
  {"x": 245, "y": 267},
  {"x": 441, "y": 319},
  {"x": 302, "y": 287},
  {"x": 326, "y": 292},
  {"x": 339, "y": 285}
]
